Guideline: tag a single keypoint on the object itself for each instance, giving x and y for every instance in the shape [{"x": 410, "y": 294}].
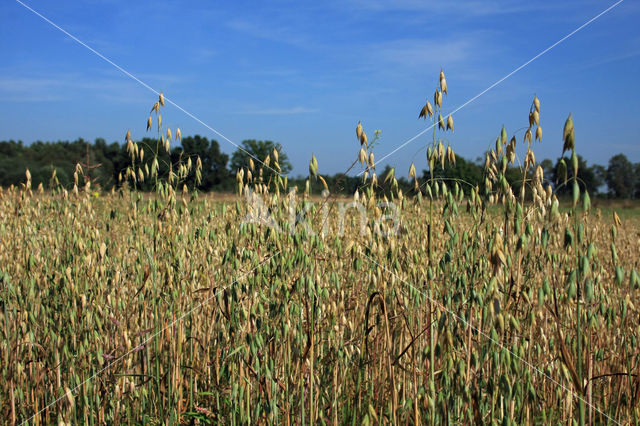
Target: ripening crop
[{"x": 460, "y": 304}]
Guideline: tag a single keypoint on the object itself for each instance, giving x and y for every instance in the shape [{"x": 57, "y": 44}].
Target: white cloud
[
  {"x": 275, "y": 32},
  {"x": 281, "y": 111},
  {"x": 61, "y": 87},
  {"x": 473, "y": 8},
  {"x": 424, "y": 53}
]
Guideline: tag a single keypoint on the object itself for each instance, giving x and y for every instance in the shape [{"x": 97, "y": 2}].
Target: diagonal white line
[
  {"x": 74, "y": 390},
  {"x": 488, "y": 337},
  {"x": 408, "y": 141},
  {"x": 145, "y": 85}
]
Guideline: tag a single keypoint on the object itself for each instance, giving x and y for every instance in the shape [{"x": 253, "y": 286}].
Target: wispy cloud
[
  {"x": 278, "y": 33},
  {"x": 281, "y": 111},
  {"x": 619, "y": 56},
  {"x": 281, "y": 72},
  {"x": 203, "y": 54},
  {"x": 61, "y": 87},
  {"x": 25, "y": 89},
  {"x": 425, "y": 53},
  {"x": 466, "y": 53},
  {"x": 474, "y": 8}
]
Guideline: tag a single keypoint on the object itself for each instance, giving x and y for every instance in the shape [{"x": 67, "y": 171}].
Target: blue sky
[{"x": 304, "y": 73}]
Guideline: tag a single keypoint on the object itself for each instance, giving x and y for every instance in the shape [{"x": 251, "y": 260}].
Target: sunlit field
[{"x": 450, "y": 304}]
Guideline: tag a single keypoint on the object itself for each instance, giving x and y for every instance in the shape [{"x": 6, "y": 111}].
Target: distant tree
[
  {"x": 214, "y": 162},
  {"x": 601, "y": 174},
  {"x": 514, "y": 176},
  {"x": 589, "y": 178},
  {"x": 636, "y": 168},
  {"x": 385, "y": 186},
  {"x": 464, "y": 171},
  {"x": 337, "y": 183},
  {"x": 548, "y": 168},
  {"x": 259, "y": 150},
  {"x": 43, "y": 158},
  {"x": 620, "y": 177}
]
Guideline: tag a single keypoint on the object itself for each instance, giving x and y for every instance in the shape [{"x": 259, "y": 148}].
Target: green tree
[
  {"x": 214, "y": 162},
  {"x": 620, "y": 177},
  {"x": 589, "y": 178},
  {"x": 548, "y": 168},
  {"x": 637, "y": 175},
  {"x": 464, "y": 171},
  {"x": 259, "y": 150},
  {"x": 601, "y": 173}
]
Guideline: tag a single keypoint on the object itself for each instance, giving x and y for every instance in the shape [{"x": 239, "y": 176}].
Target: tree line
[{"x": 104, "y": 162}]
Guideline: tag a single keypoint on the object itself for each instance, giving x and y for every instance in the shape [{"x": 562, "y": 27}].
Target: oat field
[{"x": 458, "y": 305}]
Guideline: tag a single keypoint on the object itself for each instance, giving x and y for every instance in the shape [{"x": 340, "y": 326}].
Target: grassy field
[
  {"x": 442, "y": 306},
  {"x": 116, "y": 309}
]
